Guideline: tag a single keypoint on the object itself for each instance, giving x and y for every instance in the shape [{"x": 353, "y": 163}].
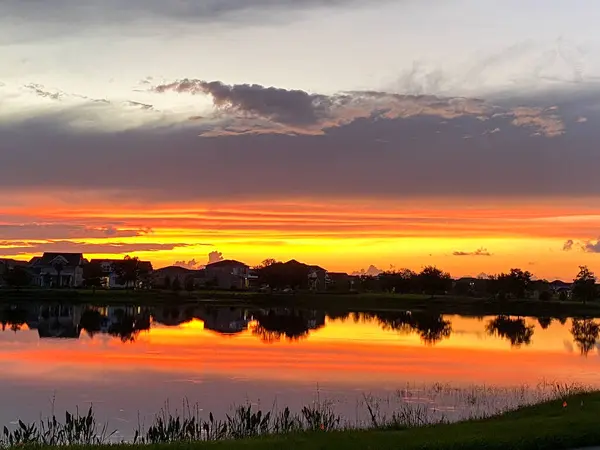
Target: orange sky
[{"x": 340, "y": 235}]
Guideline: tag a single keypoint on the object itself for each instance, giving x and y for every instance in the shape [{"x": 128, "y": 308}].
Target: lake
[{"x": 131, "y": 361}]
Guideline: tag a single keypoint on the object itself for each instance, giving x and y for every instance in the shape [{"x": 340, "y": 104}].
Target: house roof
[
  {"x": 12, "y": 262},
  {"x": 141, "y": 264},
  {"x": 173, "y": 270},
  {"x": 73, "y": 259},
  {"x": 227, "y": 262}
]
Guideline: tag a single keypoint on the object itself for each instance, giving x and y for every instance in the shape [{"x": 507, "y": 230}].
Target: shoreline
[{"x": 445, "y": 305}]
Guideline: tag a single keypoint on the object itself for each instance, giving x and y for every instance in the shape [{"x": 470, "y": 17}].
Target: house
[
  {"x": 228, "y": 274},
  {"x": 317, "y": 278},
  {"x": 561, "y": 288},
  {"x": 112, "y": 276},
  {"x": 164, "y": 278},
  {"x": 7, "y": 265},
  {"x": 55, "y": 270}
]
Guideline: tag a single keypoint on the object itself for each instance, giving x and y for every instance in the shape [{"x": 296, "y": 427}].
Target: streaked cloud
[
  {"x": 479, "y": 252},
  {"x": 16, "y": 248},
  {"x": 47, "y": 231}
]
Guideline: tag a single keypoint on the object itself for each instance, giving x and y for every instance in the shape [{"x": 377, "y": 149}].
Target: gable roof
[
  {"x": 227, "y": 262},
  {"x": 73, "y": 259},
  {"x": 293, "y": 262}
]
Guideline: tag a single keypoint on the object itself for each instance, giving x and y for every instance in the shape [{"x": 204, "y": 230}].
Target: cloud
[
  {"x": 251, "y": 156},
  {"x": 371, "y": 271},
  {"x": 254, "y": 109},
  {"x": 592, "y": 246},
  {"x": 191, "y": 264},
  {"x": 10, "y": 248},
  {"x": 479, "y": 252},
  {"x": 214, "y": 257},
  {"x": 82, "y": 13},
  {"x": 586, "y": 246},
  {"x": 61, "y": 231},
  {"x": 292, "y": 107}
]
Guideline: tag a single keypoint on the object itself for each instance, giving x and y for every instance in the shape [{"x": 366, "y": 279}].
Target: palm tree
[{"x": 59, "y": 268}]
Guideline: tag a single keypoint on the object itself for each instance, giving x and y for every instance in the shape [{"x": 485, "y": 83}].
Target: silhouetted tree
[
  {"x": 130, "y": 271},
  {"x": 402, "y": 281},
  {"x": 585, "y": 334},
  {"x": 167, "y": 283},
  {"x": 515, "y": 330},
  {"x": 266, "y": 263},
  {"x": 545, "y": 322},
  {"x": 584, "y": 285},
  {"x": 93, "y": 275},
  {"x": 291, "y": 324},
  {"x": 434, "y": 281},
  {"x": 432, "y": 328},
  {"x": 17, "y": 277},
  {"x": 545, "y": 296},
  {"x": 515, "y": 283},
  {"x": 59, "y": 267},
  {"x": 91, "y": 322}
]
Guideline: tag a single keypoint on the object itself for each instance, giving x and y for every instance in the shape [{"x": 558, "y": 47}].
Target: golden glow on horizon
[{"x": 342, "y": 236}]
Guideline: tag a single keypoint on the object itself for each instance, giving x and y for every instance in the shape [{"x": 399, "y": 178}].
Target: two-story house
[
  {"x": 228, "y": 274},
  {"x": 55, "y": 270}
]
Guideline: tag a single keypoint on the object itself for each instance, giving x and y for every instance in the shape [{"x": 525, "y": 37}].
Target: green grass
[{"x": 547, "y": 426}]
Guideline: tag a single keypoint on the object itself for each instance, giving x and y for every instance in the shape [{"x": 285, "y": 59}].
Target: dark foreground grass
[{"x": 547, "y": 426}]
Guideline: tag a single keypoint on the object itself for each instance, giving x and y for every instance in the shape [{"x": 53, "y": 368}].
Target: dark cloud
[
  {"x": 89, "y": 12},
  {"x": 15, "y": 248},
  {"x": 478, "y": 252},
  {"x": 409, "y": 147},
  {"x": 299, "y": 112},
  {"x": 54, "y": 231},
  {"x": 568, "y": 245},
  {"x": 191, "y": 264},
  {"x": 291, "y": 107}
]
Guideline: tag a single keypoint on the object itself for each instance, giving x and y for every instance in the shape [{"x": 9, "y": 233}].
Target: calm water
[{"x": 128, "y": 361}]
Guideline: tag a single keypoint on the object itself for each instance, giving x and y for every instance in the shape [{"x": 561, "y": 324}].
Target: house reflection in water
[
  {"x": 224, "y": 320},
  {"x": 57, "y": 321}
]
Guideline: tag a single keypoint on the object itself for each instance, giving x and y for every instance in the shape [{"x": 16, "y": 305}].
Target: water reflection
[
  {"x": 271, "y": 325},
  {"x": 515, "y": 330},
  {"x": 585, "y": 334},
  {"x": 432, "y": 328}
]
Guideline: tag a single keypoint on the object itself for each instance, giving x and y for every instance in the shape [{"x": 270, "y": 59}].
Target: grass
[
  {"x": 466, "y": 306},
  {"x": 567, "y": 419}
]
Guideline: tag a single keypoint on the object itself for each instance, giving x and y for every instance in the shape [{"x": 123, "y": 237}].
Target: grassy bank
[
  {"x": 466, "y": 306},
  {"x": 546, "y": 426},
  {"x": 561, "y": 423}
]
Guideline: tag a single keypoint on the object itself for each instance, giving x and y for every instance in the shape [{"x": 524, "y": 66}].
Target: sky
[{"x": 344, "y": 133}]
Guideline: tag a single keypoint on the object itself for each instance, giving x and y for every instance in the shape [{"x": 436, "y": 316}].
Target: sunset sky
[{"x": 344, "y": 133}]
